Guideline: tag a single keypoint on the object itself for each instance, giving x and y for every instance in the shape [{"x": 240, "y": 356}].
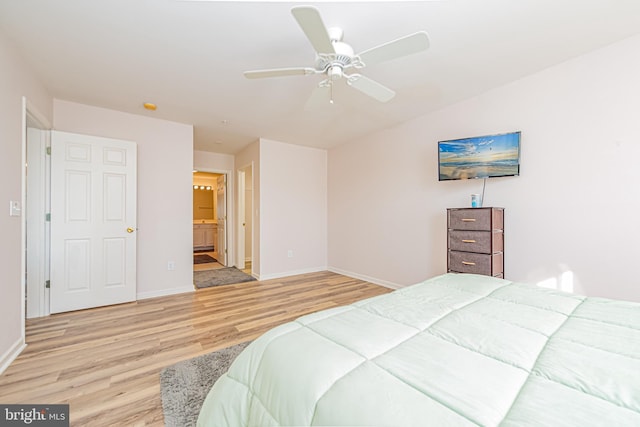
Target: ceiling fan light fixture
[{"x": 335, "y": 72}]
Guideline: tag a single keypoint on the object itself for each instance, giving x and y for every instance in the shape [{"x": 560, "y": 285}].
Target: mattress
[{"x": 455, "y": 350}]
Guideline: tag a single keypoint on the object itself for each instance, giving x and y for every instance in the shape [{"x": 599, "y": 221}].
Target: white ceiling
[{"x": 188, "y": 57}]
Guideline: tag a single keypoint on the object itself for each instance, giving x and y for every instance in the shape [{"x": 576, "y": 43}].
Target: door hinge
[
  {"x": 49, "y": 151},
  {"x": 47, "y": 284},
  {"x": 47, "y": 217}
]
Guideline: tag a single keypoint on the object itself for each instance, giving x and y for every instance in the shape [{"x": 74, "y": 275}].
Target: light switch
[{"x": 14, "y": 208}]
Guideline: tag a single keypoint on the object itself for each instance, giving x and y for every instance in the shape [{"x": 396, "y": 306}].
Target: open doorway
[
  {"x": 36, "y": 208},
  {"x": 209, "y": 221},
  {"x": 245, "y": 219}
]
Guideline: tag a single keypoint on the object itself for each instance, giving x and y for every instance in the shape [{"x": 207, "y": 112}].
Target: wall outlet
[
  {"x": 290, "y": 253},
  {"x": 171, "y": 266}
]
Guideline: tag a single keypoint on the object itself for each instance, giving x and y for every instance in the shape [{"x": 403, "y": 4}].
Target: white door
[
  {"x": 221, "y": 216},
  {"x": 93, "y": 221}
]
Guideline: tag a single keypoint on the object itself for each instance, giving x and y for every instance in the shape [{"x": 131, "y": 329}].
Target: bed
[{"x": 455, "y": 350}]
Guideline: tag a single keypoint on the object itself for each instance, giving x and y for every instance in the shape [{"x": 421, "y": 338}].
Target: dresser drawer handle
[
  {"x": 468, "y": 263},
  {"x": 468, "y": 241},
  {"x": 468, "y": 220}
]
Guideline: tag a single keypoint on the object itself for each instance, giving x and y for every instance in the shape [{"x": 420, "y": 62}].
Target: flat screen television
[{"x": 486, "y": 156}]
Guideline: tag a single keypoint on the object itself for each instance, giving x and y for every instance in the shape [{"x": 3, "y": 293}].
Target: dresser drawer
[
  {"x": 468, "y": 262},
  {"x": 486, "y": 219},
  {"x": 486, "y": 242}
]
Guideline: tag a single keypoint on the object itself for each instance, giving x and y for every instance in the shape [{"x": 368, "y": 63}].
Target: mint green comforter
[{"x": 455, "y": 350}]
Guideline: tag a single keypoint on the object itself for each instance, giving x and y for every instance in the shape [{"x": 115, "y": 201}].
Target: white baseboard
[
  {"x": 165, "y": 292},
  {"x": 11, "y": 354},
  {"x": 373, "y": 280},
  {"x": 289, "y": 273}
]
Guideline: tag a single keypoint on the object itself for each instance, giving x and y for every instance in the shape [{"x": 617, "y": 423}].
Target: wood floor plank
[{"x": 105, "y": 362}]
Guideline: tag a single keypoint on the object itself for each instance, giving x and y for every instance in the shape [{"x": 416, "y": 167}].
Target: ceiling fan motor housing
[
  {"x": 335, "y": 34},
  {"x": 335, "y": 63}
]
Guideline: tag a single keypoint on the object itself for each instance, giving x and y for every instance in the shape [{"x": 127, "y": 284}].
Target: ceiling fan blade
[
  {"x": 370, "y": 87},
  {"x": 403, "y": 46},
  {"x": 320, "y": 98},
  {"x": 279, "y": 72},
  {"x": 310, "y": 21}
]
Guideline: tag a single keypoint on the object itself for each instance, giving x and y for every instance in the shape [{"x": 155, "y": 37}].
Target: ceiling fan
[{"x": 334, "y": 57}]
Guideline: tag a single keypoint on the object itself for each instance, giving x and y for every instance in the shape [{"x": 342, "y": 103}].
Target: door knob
[{"x": 130, "y": 230}]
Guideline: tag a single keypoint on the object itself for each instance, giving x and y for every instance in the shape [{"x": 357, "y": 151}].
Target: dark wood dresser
[{"x": 475, "y": 241}]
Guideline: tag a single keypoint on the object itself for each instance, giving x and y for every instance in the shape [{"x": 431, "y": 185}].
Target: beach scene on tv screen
[{"x": 479, "y": 157}]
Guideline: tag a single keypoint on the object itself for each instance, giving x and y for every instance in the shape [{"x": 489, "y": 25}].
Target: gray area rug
[
  {"x": 220, "y": 276},
  {"x": 184, "y": 386},
  {"x": 203, "y": 259}
]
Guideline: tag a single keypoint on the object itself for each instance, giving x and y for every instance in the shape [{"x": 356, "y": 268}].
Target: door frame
[
  {"x": 31, "y": 116},
  {"x": 230, "y": 210},
  {"x": 37, "y": 206}
]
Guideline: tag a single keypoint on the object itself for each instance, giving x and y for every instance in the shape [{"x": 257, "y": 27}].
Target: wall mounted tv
[{"x": 487, "y": 156}]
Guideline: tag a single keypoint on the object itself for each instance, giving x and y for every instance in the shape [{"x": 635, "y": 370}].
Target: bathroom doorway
[{"x": 209, "y": 221}]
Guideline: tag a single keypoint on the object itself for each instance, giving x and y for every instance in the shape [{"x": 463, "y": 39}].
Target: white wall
[
  {"x": 570, "y": 218},
  {"x": 293, "y": 209},
  {"x": 165, "y": 165},
  {"x": 212, "y": 162},
  {"x": 16, "y": 81}
]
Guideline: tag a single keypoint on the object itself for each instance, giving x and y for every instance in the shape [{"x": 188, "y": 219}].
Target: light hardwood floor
[
  {"x": 208, "y": 266},
  {"x": 105, "y": 362}
]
